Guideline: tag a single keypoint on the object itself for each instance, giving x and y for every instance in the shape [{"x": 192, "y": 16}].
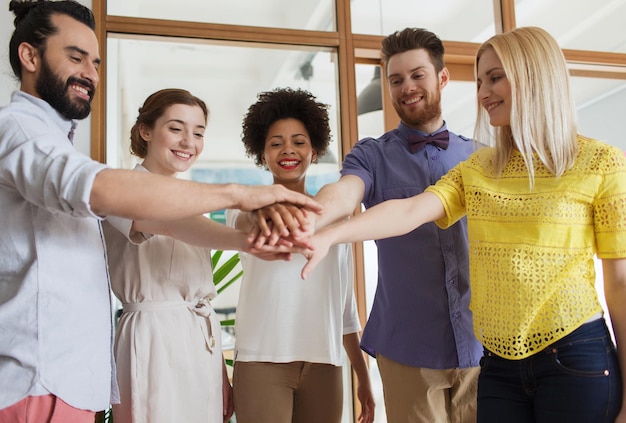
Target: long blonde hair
[{"x": 543, "y": 114}]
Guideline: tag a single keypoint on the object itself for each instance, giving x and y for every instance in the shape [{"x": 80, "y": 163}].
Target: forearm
[
  {"x": 359, "y": 365},
  {"x": 356, "y": 356},
  {"x": 227, "y": 394},
  {"x": 387, "y": 219},
  {"x": 339, "y": 199},
  {"x": 224, "y": 371},
  {"x": 144, "y": 196},
  {"x": 196, "y": 230}
]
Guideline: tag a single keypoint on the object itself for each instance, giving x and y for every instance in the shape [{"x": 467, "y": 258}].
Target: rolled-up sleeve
[{"x": 41, "y": 165}]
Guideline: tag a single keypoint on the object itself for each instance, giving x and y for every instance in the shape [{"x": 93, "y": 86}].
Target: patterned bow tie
[{"x": 417, "y": 142}]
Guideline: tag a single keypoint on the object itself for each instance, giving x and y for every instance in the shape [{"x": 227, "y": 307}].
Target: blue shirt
[
  {"x": 420, "y": 316},
  {"x": 55, "y": 307}
]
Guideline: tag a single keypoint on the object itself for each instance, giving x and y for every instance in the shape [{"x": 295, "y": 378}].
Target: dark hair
[
  {"x": 284, "y": 103},
  {"x": 412, "y": 39},
  {"x": 153, "y": 108},
  {"x": 33, "y": 24}
]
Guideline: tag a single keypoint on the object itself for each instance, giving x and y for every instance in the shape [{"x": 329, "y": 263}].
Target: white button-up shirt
[{"x": 55, "y": 305}]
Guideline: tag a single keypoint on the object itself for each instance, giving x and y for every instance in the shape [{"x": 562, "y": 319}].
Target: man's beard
[
  {"x": 427, "y": 112},
  {"x": 56, "y": 93}
]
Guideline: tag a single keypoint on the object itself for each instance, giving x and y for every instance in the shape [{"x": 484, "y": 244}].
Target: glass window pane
[
  {"x": 311, "y": 15},
  {"x": 581, "y": 24},
  {"x": 369, "y": 100},
  {"x": 454, "y": 20},
  {"x": 227, "y": 77},
  {"x": 458, "y": 105},
  {"x": 600, "y": 103}
]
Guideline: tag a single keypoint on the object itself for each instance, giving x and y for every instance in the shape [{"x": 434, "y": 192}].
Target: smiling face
[
  {"x": 288, "y": 153},
  {"x": 68, "y": 69},
  {"x": 494, "y": 88},
  {"x": 175, "y": 140},
  {"x": 415, "y": 89}
]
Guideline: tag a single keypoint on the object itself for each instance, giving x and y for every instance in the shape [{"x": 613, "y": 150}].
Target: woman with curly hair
[{"x": 289, "y": 334}]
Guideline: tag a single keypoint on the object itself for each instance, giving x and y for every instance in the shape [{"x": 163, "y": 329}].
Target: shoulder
[
  {"x": 459, "y": 140},
  {"x": 480, "y": 159},
  {"x": 591, "y": 144},
  {"x": 372, "y": 147},
  {"x": 599, "y": 156},
  {"x": 460, "y": 146},
  {"x": 19, "y": 113},
  {"x": 365, "y": 153},
  {"x": 458, "y": 137},
  {"x": 23, "y": 105},
  {"x": 26, "y": 120},
  {"x": 373, "y": 143},
  {"x": 384, "y": 139}
]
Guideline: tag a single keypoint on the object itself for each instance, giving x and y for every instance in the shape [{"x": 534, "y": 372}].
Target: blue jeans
[{"x": 575, "y": 380}]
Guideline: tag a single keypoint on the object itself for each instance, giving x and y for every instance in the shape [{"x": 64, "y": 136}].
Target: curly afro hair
[{"x": 285, "y": 103}]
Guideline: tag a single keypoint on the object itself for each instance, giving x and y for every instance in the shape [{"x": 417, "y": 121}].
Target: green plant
[
  {"x": 223, "y": 270},
  {"x": 222, "y": 278}
]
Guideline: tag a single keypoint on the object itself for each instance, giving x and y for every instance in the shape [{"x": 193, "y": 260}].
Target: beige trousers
[
  {"x": 419, "y": 395},
  {"x": 297, "y": 392}
]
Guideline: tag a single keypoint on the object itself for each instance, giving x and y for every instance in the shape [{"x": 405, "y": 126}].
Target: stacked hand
[
  {"x": 284, "y": 227},
  {"x": 282, "y": 222},
  {"x": 255, "y": 197}
]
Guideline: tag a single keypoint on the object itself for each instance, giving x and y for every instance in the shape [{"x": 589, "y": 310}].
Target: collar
[
  {"x": 66, "y": 125},
  {"x": 405, "y": 131}
]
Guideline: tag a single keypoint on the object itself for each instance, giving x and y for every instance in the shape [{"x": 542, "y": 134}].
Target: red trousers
[{"x": 44, "y": 409}]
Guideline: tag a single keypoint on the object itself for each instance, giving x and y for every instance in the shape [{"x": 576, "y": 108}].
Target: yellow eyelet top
[{"x": 531, "y": 251}]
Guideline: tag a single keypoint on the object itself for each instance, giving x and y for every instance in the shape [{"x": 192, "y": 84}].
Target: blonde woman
[{"x": 540, "y": 203}]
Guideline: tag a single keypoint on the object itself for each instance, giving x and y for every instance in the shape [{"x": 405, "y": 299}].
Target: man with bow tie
[{"x": 420, "y": 326}]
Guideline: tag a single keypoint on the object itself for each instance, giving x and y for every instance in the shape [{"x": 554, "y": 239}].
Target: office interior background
[{"x": 227, "y": 52}]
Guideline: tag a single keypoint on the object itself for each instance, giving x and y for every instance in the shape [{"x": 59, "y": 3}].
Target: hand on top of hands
[
  {"x": 282, "y": 229},
  {"x": 282, "y": 224},
  {"x": 256, "y": 197}
]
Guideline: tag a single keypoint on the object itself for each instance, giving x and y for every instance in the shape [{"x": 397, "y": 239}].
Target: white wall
[
  {"x": 605, "y": 119},
  {"x": 8, "y": 83},
  {"x": 7, "y": 80}
]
